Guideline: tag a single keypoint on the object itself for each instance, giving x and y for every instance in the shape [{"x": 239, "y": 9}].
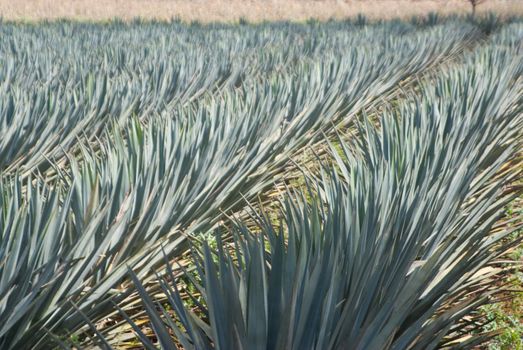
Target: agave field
[{"x": 338, "y": 185}]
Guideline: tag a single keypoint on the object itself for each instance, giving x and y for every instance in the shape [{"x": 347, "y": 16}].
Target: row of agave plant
[
  {"x": 389, "y": 247},
  {"x": 116, "y": 158}
]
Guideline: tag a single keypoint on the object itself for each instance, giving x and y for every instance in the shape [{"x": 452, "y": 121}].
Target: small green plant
[{"x": 509, "y": 325}]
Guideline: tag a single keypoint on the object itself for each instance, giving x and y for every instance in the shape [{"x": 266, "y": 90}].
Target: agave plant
[{"x": 389, "y": 248}]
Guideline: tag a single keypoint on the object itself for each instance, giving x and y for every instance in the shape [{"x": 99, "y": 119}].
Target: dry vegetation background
[{"x": 232, "y": 10}]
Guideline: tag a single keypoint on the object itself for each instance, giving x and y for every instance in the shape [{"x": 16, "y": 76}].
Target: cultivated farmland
[{"x": 323, "y": 185}]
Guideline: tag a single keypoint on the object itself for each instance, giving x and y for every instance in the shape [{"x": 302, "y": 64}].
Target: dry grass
[{"x": 232, "y": 10}]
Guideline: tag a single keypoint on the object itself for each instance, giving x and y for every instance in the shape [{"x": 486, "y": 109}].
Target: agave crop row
[{"x": 389, "y": 248}]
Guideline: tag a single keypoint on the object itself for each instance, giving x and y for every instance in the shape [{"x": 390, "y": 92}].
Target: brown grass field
[{"x": 233, "y": 10}]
